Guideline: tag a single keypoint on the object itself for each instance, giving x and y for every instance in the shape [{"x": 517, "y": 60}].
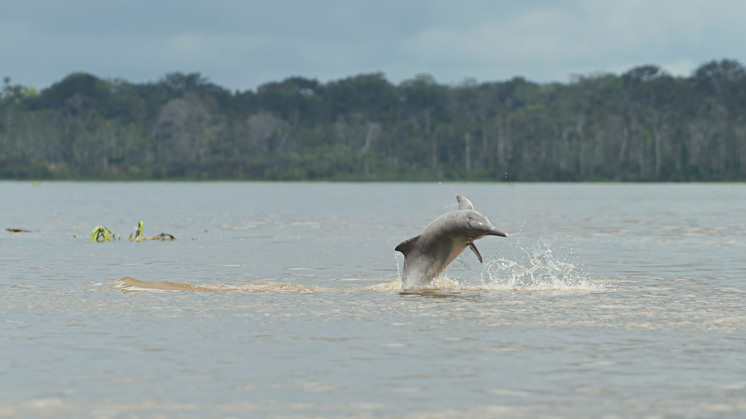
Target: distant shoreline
[{"x": 644, "y": 125}]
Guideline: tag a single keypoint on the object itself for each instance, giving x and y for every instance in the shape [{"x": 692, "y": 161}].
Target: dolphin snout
[
  {"x": 495, "y": 232},
  {"x": 485, "y": 228}
]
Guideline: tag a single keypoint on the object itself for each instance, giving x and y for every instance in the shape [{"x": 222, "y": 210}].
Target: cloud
[
  {"x": 535, "y": 35},
  {"x": 244, "y": 44},
  {"x": 586, "y": 35},
  {"x": 683, "y": 68}
]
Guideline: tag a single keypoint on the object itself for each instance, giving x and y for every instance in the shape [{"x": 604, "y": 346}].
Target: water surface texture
[{"x": 283, "y": 299}]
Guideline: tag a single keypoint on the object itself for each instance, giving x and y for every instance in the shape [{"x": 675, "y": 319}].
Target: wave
[{"x": 130, "y": 284}]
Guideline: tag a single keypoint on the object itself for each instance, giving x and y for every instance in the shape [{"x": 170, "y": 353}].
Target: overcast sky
[{"x": 243, "y": 44}]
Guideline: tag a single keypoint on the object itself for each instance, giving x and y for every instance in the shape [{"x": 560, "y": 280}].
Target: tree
[{"x": 642, "y": 125}]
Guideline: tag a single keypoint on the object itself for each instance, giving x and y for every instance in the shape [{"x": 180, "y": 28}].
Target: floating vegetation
[
  {"x": 17, "y": 230},
  {"x": 102, "y": 234},
  {"x": 139, "y": 233}
]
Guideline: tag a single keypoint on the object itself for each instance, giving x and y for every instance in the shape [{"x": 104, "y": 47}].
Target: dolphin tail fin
[
  {"x": 464, "y": 203},
  {"x": 406, "y": 245},
  {"x": 476, "y": 252}
]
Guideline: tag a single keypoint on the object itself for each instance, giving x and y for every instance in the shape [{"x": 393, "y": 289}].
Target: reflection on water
[
  {"x": 438, "y": 293},
  {"x": 606, "y": 300}
]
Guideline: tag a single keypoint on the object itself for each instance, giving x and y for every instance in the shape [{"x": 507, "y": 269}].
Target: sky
[{"x": 241, "y": 45}]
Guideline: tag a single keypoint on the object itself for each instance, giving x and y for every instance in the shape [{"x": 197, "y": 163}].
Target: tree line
[{"x": 642, "y": 125}]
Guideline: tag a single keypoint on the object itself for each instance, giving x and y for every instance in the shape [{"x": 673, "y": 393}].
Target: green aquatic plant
[
  {"x": 138, "y": 233},
  {"x": 102, "y": 234}
]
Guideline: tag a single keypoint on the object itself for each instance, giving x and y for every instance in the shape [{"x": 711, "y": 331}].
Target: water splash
[
  {"x": 398, "y": 268},
  {"x": 394, "y": 285},
  {"x": 538, "y": 270},
  {"x": 442, "y": 282}
]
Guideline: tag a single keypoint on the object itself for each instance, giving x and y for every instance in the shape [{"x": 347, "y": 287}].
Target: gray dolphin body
[{"x": 427, "y": 255}]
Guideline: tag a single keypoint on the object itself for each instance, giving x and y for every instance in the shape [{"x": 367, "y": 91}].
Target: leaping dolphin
[{"x": 427, "y": 255}]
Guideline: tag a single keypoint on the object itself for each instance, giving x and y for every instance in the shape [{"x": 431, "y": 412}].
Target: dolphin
[{"x": 427, "y": 255}]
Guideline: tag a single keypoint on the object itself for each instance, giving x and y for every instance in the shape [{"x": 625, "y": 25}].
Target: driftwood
[
  {"x": 17, "y": 230},
  {"x": 162, "y": 237}
]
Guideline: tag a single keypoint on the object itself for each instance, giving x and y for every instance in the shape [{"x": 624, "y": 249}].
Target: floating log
[{"x": 162, "y": 237}]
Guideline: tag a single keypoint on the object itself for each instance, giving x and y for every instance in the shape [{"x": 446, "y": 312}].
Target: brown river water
[{"x": 285, "y": 299}]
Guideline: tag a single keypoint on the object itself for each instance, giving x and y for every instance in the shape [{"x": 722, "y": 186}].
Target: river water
[{"x": 284, "y": 299}]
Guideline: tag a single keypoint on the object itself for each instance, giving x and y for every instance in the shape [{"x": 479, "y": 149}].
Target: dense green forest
[{"x": 642, "y": 125}]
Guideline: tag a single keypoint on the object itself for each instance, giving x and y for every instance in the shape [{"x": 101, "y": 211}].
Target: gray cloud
[{"x": 244, "y": 44}]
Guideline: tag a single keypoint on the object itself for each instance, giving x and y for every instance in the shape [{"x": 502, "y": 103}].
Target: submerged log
[{"x": 17, "y": 230}]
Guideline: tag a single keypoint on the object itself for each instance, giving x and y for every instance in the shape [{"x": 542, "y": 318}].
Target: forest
[{"x": 641, "y": 125}]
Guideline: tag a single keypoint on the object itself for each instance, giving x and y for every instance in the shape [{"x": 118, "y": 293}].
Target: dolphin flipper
[
  {"x": 464, "y": 203},
  {"x": 406, "y": 245},
  {"x": 476, "y": 252}
]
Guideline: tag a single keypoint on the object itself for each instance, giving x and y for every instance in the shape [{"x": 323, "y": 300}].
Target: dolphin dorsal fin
[
  {"x": 464, "y": 203},
  {"x": 406, "y": 246}
]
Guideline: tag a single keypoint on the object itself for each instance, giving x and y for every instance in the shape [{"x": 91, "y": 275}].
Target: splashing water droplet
[
  {"x": 538, "y": 270},
  {"x": 398, "y": 269}
]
